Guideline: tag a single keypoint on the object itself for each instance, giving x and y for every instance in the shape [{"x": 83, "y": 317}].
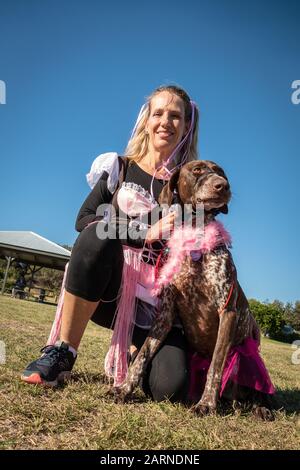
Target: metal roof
[{"x": 30, "y": 247}]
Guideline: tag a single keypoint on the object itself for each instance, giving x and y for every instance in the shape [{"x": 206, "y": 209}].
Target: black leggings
[{"x": 95, "y": 273}]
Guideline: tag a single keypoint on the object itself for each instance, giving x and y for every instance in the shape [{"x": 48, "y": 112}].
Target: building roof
[{"x": 31, "y": 248}]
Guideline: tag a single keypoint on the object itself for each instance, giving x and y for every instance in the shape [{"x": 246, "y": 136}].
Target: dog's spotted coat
[{"x": 199, "y": 292}]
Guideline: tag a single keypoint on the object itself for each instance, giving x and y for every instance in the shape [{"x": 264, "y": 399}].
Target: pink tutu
[{"x": 243, "y": 366}]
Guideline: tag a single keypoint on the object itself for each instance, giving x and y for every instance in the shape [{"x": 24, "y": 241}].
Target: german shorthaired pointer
[{"x": 206, "y": 294}]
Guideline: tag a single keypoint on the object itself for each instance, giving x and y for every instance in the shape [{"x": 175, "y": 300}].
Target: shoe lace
[{"x": 52, "y": 354}]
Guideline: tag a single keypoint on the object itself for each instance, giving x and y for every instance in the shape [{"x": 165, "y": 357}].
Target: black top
[
  {"x": 136, "y": 175},
  {"x": 101, "y": 195}
]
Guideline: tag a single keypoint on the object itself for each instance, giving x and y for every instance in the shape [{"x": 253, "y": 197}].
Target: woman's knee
[
  {"x": 173, "y": 390},
  {"x": 168, "y": 388},
  {"x": 167, "y": 376}
]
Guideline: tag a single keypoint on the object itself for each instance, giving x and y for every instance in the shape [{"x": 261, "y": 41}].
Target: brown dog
[{"x": 199, "y": 293}]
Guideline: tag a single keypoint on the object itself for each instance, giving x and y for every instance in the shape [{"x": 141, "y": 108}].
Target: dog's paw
[
  {"x": 263, "y": 413},
  {"x": 202, "y": 409},
  {"x": 121, "y": 394}
]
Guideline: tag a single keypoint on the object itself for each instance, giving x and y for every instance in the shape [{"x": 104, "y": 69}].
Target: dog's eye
[
  {"x": 218, "y": 170},
  {"x": 197, "y": 171}
]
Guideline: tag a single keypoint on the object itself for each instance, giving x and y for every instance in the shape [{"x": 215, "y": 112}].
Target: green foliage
[
  {"x": 291, "y": 313},
  {"x": 269, "y": 317},
  {"x": 295, "y": 317},
  {"x": 50, "y": 279}
]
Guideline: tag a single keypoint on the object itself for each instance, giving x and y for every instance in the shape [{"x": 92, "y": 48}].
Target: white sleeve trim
[{"x": 105, "y": 162}]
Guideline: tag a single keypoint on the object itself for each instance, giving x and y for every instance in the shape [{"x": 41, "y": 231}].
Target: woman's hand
[{"x": 162, "y": 229}]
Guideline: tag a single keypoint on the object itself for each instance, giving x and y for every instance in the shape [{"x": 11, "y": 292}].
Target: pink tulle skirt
[{"x": 244, "y": 366}]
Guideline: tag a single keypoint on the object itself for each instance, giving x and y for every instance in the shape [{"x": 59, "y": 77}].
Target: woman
[{"x": 164, "y": 137}]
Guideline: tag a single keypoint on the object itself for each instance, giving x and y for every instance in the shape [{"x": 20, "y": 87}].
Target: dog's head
[{"x": 199, "y": 181}]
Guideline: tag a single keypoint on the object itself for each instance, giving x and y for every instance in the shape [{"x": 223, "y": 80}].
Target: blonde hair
[{"x": 137, "y": 146}]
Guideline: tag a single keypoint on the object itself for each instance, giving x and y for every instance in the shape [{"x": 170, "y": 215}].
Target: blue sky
[{"x": 77, "y": 72}]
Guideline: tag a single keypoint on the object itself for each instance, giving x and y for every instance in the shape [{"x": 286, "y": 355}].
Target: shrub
[{"x": 268, "y": 316}]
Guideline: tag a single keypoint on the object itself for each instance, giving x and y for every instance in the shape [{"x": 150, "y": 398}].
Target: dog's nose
[{"x": 221, "y": 186}]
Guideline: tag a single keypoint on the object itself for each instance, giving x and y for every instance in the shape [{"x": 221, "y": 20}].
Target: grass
[{"x": 81, "y": 415}]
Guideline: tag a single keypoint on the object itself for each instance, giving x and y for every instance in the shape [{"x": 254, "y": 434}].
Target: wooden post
[
  {"x": 33, "y": 271},
  {"x": 31, "y": 279},
  {"x": 9, "y": 260}
]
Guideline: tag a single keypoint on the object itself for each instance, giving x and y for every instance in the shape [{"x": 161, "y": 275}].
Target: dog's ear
[
  {"x": 224, "y": 209},
  {"x": 166, "y": 195}
]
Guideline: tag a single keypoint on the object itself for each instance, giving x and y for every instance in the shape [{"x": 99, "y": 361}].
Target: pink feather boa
[{"x": 187, "y": 241}]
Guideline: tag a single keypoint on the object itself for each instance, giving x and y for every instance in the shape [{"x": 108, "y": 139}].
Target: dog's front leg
[
  {"x": 160, "y": 328},
  {"x": 226, "y": 332}
]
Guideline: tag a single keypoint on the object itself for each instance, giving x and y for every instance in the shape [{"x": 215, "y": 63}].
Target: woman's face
[{"x": 166, "y": 124}]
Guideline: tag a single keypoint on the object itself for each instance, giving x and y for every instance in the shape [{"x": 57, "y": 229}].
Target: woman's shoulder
[{"x": 105, "y": 162}]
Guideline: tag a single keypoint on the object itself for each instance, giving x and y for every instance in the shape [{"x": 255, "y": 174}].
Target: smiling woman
[
  {"x": 166, "y": 125},
  {"x": 166, "y": 132},
  {"x": 110, "y": 280}
]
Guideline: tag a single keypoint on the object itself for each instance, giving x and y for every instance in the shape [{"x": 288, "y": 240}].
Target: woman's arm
[{"x": 99, "y": 195}]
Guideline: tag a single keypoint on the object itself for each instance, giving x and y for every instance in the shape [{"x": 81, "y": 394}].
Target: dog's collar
[{"x": 188, "y": 241}]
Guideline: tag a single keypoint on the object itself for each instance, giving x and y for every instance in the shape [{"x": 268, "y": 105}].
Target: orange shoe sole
[
  {"x": 32, "y": 379},
  {"x": 36, "y": 379}
]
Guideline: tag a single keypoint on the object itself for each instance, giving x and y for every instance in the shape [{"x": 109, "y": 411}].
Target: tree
[
  {"x": 268, "y": 316},
  {"x": 288, "y": 313},
  {"x": 48, "y": 278},
  {"x": 296, "y": 316}
]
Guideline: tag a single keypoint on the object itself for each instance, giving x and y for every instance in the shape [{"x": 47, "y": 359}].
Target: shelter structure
[{"x": 33, "y": 249}]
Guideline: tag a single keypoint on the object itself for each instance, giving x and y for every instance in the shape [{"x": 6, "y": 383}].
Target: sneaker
[{"x": 53, "y": 367}]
